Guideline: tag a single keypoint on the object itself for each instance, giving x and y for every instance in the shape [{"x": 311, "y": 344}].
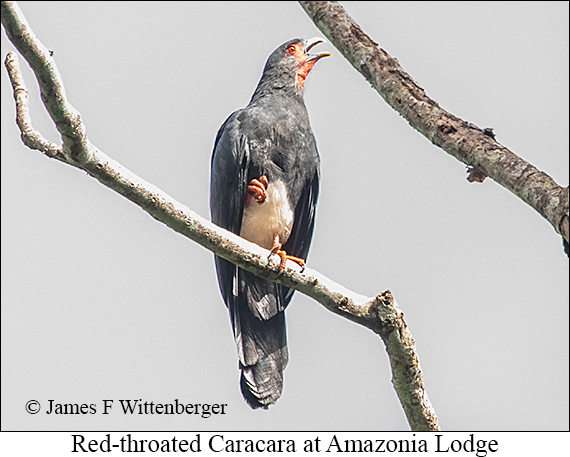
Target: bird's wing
[
  {"x": 228, "y": 182},
  {"x": 301, "y": 235}
]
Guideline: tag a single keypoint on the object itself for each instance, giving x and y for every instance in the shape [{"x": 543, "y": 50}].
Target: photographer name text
[{"x": 132, "y": 407}]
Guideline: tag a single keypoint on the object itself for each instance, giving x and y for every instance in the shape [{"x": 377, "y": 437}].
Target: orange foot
[
  {"x": 276, "y": 249},
  {"x": 257, "y": 189}
]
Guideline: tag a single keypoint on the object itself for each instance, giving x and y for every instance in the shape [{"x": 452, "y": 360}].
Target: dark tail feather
[
  {"x": 261, "y": 384},
  {"x": 262, "y": 345},
  {"x": 260, "y": 394}
]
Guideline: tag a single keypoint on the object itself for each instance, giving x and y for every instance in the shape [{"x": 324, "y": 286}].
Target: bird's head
[{"x": 291, "y": 62}]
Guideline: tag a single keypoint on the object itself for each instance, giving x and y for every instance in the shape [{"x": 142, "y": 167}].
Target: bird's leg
[
  {"x": 276, "y": 249},
  {"x": 257, "y": 189}
]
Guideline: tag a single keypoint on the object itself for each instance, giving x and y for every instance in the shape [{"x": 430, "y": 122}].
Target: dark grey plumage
[{"x": 270, "y": 137}]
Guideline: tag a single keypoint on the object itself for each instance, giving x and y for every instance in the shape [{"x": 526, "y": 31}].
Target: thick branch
[
  {"x": 380, "y": 314},
  {"x": 468, "y": 143}
]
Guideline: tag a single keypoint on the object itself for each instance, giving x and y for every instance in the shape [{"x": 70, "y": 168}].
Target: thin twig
[{"x": 30, "y": 136}]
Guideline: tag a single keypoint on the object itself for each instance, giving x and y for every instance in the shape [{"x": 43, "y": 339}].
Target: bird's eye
[{"x": 292, "y": 48}]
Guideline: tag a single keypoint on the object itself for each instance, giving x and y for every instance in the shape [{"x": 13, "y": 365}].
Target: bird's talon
[
  {"x": 257, "y": 188},
  {"x": 276, "y": 249}
]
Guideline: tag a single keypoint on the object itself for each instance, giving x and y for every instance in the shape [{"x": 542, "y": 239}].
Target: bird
[{"x": 264, "y": 186}]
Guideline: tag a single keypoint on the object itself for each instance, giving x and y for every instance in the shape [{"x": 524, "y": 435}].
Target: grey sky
[{"x": 99, "y": 301}]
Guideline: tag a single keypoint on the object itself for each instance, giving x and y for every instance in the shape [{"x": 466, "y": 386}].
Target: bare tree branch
[
  {"x": 380, "y": 314},
  {"x": 30, "y": 137},
  {"x": 468, "y": 143}
]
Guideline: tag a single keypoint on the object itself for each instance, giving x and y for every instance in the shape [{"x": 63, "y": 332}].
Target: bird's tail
[
  {"x": 263, "y": 354},
  {"x": 262, "y": 381}
]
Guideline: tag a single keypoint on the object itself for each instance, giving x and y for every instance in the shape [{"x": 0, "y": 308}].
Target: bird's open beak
[{"x": 308, "y": 44}]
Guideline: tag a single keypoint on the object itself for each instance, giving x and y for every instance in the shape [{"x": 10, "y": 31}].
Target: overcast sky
[{"x": 101, "y": 301}]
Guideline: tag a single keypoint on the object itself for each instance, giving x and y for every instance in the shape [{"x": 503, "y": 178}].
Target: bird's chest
[{"x": 261, "y": 222}]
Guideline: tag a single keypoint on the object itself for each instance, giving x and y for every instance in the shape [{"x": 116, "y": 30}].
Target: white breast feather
[{"x": 262, "y": 221}]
